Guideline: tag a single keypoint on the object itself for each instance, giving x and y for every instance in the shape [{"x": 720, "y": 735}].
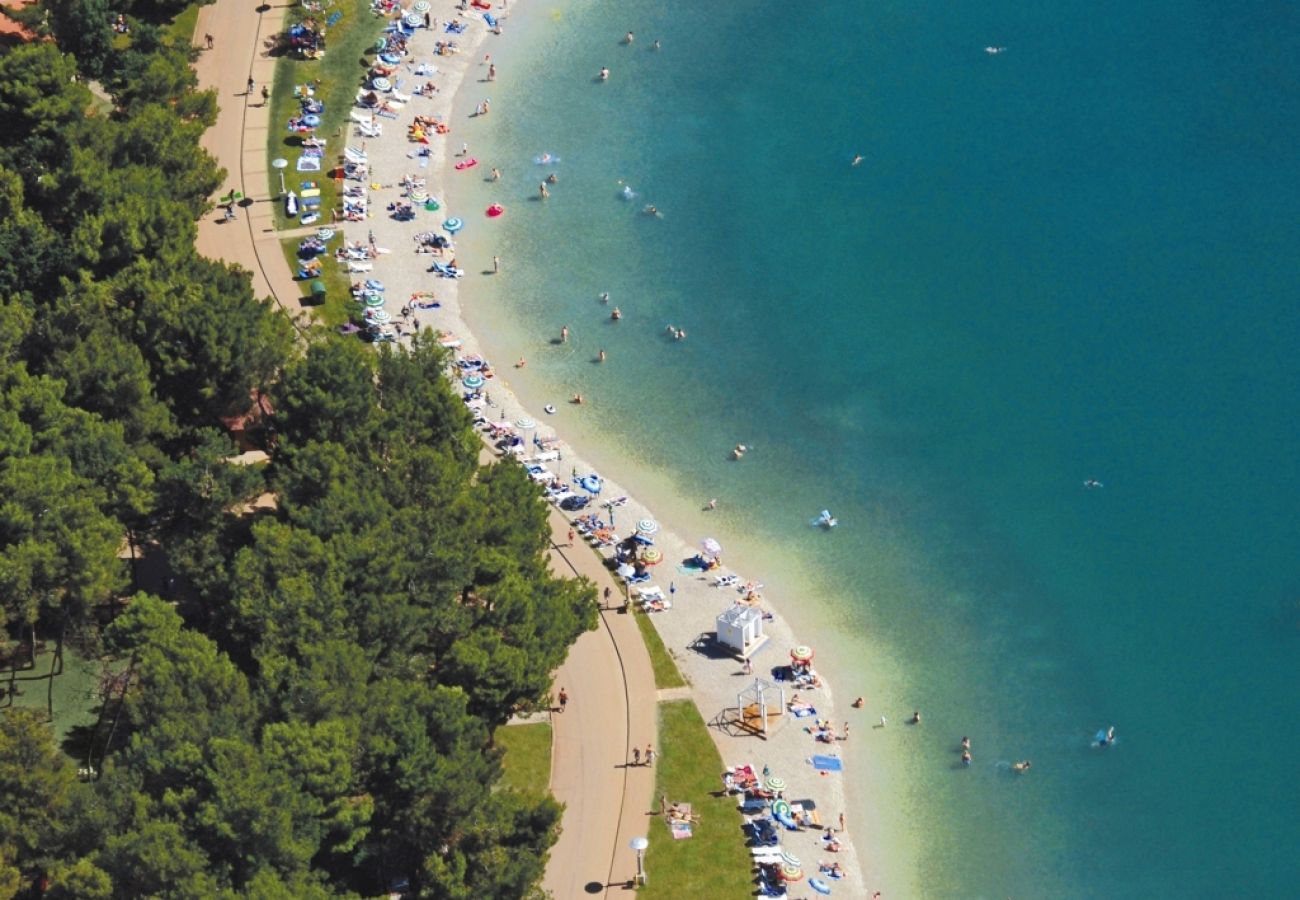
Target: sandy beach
[{"x": 696, "y": 601}]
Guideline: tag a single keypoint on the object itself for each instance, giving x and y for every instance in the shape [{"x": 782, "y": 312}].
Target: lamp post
[
  {"x": 280, "y": 165},
  {"x": 639, "y": 844}
]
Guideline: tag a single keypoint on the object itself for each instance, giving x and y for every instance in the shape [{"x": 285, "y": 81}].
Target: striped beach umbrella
[
  {"x": 374, "y": 300},
  {"x": 380, "y": 83},
  {"x": 473, "y": 382},
  {"x": 453, "y": 224},
  {"x": 775, "y": 784},
  {"x": 412, "y": 20},
  {"x": 378, "y": 316},
  {"x": 525, "y": 424},
  {"x": 790, "y": 859},
  {"x": 652, "y": 556},
  {"x": 647, "y": 526},
  {"x": 421, "y": 6},
  {"x": 791, "y": 873},
  {"x": 803, "y": 653},
  {"x": 711, "y": 547}
]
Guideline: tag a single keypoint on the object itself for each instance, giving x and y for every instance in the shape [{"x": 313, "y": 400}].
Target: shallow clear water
[{"x": 1073, "y": 260}]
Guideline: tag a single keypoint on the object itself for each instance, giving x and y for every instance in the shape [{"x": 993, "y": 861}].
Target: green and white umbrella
[
  {"x": 775, "y": 784},
  {"x": 647, "y": 526}
]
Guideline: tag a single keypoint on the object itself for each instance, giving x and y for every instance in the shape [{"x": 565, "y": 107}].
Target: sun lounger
[
  {"x": 354, "y": 266},
  {"x": 545, "y": 456},
  {"x": 725, "y": 580},
  {"x": 360, "y": 116},
  {"x": 400, "y": 97}
]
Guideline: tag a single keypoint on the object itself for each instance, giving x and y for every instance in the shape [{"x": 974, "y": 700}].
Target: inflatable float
[
  {"x": 466, "y": 164},
  {"x": 546, "y": 159},
  {"x": 496, "y": 209}
]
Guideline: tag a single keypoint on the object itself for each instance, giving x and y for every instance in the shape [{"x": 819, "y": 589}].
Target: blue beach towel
[
  {"x": 490, "y": 19},
  {"x": 333, "y": 19},
  {"x": 804, "y": 712},
  {"x": 828, "y": 764}
]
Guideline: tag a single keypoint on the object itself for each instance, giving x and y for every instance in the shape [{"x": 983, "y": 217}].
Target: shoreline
[{"x": 696, "y": 602}]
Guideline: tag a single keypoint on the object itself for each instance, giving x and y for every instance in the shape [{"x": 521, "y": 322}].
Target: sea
[{"x": 1074, "y": 260}]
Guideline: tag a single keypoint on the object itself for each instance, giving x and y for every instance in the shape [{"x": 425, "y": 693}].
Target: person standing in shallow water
[{"x": 542, "y": 191}]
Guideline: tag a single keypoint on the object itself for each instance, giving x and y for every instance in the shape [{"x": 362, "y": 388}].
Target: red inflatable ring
[{"x": 495, "y": 210}]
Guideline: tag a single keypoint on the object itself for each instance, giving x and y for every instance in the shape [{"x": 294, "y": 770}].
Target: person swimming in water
[
  {"x": 1108, "y": 738},
  {"x": 1022, "y": 766},
  {"x": 604, "y": 297},
  {"x": 857, "y": 160},
  {"x": 1093, "y": 484},
  {"x": 966, "y": 758},
  {"x": 916, "y": 717},
  {"x": 604, "y": 73},
  {"x": 552, "y": 178},
  {"x": 616, "y": 314},
  {"x": 600, "y": 357}
]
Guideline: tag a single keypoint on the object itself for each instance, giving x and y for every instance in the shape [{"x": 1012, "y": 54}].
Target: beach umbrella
[
  {"x": 380, "y": 83},
  {"x": 626, "y": 570},
  {"x": 453, "y": 225},
  {"x": 473, "y": 382},
  {"x": 378, "y": 316},
  {"x": 791, "y": 873},
  {"x": 647, "y": 526},
  {"x": 790, "y": 859},
  {"x": 412, "y": 20},
  {"x": 421, "y": 6},
  {"x": 802, "y": 654},
  {"x": 652, "y": 556},
  {"x": 374, "y": 300},
  {"x": 524, "y": 423},
  {"x": 819, "y": 885},
  {"x": 775, "y": 784},
  {"x": 711, "y": 547}
]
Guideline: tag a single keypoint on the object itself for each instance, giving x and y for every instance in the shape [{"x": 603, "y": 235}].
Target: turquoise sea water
[{"x": 1076, "y": 259}]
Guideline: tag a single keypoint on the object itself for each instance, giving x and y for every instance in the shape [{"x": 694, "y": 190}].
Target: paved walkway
[
  {"x": 241, "y": 35},
  {"x": 612, "y": 708}
]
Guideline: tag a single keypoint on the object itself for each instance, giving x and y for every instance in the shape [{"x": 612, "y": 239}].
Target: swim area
[{"x": 1072, "y": 260}]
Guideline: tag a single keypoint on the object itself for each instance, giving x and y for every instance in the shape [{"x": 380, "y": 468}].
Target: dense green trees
[{"x": 308, "y": 710}]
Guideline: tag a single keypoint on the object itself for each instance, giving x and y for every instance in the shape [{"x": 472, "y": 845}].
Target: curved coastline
[{"x": 696, "y": 601}]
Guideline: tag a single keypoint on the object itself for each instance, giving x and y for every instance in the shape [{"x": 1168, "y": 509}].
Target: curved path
[
  {"x": 612, "y": 708},
  {"x": 612, "y": 701},
  {"x": 240, "y": 33}
]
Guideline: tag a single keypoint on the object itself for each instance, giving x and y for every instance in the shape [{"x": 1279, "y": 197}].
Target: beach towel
[
  {"x": 308, "y": 164},
  {"x": 454, "y": 28},
  {"x": 490, "y": 19},
  {"x": 333, "y": 19},
  {"x": 681, "y": 830},
  {"x": 803, "y": 712},
  {"x": 828, "y": 763}
]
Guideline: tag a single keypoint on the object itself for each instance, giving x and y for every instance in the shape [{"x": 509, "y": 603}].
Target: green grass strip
[
  {"x": 713, "y": 862},
  {"x": 666, "y": 673},
  {"x": 526, "y": 766}
]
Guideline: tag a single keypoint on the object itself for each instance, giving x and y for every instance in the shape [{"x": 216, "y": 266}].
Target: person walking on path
[
  {"x": 649, "y": 755},
  {"x": 636, "y": 756},
  {"x": 842, "y": 828},
  {"x": 564, "y": 699},
  {"x": 266, "y": 95},
  {"x": 209, "y": 41},
  {"x": 572, "y": 535},
  {"x": 251, "y": 85}
]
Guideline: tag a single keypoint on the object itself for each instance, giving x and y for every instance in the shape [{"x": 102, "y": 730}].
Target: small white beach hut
[{"x": 741, "y": 629}]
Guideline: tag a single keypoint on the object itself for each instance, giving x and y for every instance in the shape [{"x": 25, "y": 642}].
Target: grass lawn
[
  {"x": 527, "y": 761},
  {"x": 713, "y": 862},
  {"x": 337, "y": 77},
  {"x": 180, "y": 30},
  {"x": 338, "y": 297},
  {"x": 76, "y": 694},
  {"x": 666, "y": 673}
]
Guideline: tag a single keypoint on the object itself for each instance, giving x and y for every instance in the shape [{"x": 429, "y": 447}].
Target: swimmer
[
  {"x": 965, "y": 743},
  {"x": 552, "y": 178},
  {"x": 522, "y": 362},
  {"x": 564, "y": 334},
  {"x": 629, "y": 39},
  {"x": 652, "y": 211},
  {"x": 496, "y": 174},
  {"x": 859, "y": 703},
  {"x": 577, "y": 400},
  {"x": 541, "y": 190},
  {"x": 857, "y": 160},
  {"x": 1093, "y": 484},
  {"x": 616, "y": 314},
  {"x": 1022, "y": 766},
  {"x": 604, "y": 73},
  {"x": 738, "y": 451},
  {"x": 600, "y": 357},
  {"x": 656, "y": 44},
  {"x": 679, "y": 334},
  {"x": 604, "y": 297},
  {"x": 1109, "y": 738},
  {"x": 916, "y": 717},
  {"x": 492, "y": 72},
  {"x": 712, "y": 504},
  {"x": 966, "y": 758}
]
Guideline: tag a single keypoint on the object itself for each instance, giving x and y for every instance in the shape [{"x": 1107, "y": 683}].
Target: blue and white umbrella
[
  {"x": 421, "y": 6},
  {"x": 380, "y": 83},
  {"x": 412, "y": 20},
  {"x": 473, "y": 382},
  {"x": 453, "y": 225},
  {"x": 525, "y": 424},
  {"x": 647, "y": 526}
]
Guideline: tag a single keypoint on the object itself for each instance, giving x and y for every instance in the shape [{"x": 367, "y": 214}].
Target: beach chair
[
  {"x": 354, "y": 266},
  {"x": 370, "y": 130},
  {"x": 400, "y": 97},
  {"x": 726, "y": 581}
]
